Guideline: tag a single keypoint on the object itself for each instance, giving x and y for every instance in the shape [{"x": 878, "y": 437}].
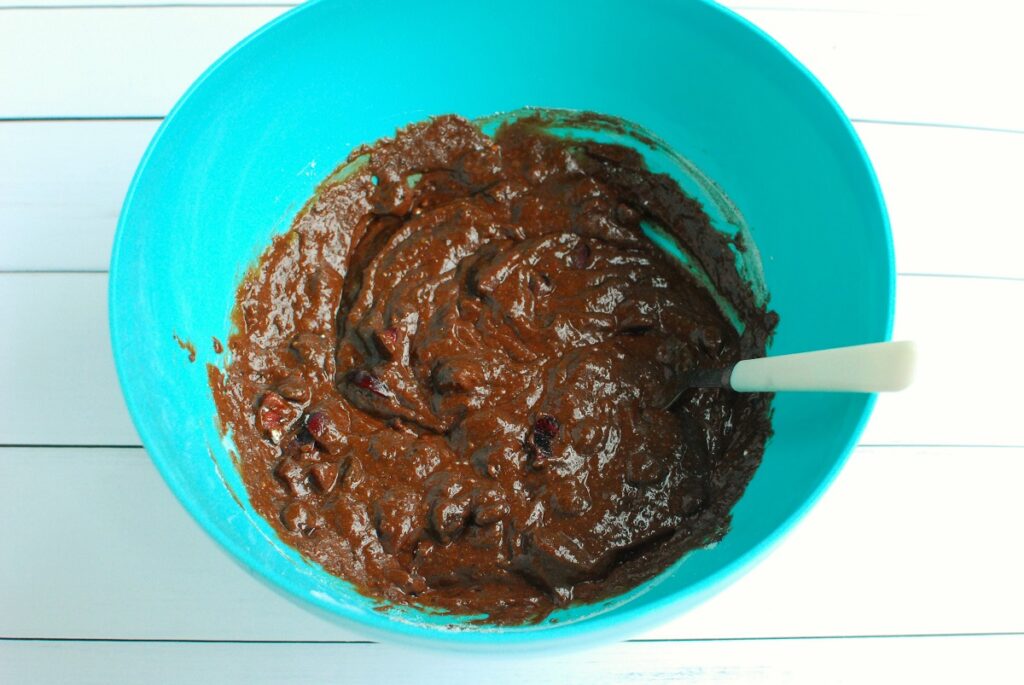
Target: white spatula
[{"x": 879, "y": 367}]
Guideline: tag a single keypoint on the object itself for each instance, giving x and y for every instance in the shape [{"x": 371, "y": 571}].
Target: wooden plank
[
  {"x": 934, "y": 660},
  {"x": 952, "y": 194},
  {"x": 137, "y": 61},
  {"x": 56, "y": 367},
  {"x": 969, "y": 375},
  {"x": 113, "y": 62},
  {"x": 907, "y": 541},
  {"x": 966, "y": 393},
  {"x": 902, "y": 66},
  {"x": 61, "y": 189}
]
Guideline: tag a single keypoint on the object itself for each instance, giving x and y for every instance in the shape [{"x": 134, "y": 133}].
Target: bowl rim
[{"x": 588, "y": 631}]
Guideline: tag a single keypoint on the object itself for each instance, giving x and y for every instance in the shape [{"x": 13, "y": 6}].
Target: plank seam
[
  {"x": 143, "y": 6},
  {"x": 919, "y": 274},
  {"x": 75, "y": 119},
  {"x": 160, "y": 117},
  {"x": 13, "y": 445},
  {"x": 927, "y": 124},
  {"x": 776, "y": 638}
]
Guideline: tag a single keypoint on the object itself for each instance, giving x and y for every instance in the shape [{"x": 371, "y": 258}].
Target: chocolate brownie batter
[{"x": 449, "y": 379}]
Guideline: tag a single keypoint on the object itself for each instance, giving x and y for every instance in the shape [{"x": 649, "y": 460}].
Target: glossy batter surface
[{"x": 449, "y": 377}]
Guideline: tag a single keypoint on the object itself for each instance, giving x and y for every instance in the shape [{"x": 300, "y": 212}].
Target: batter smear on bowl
[{"x": 449, "y": 377}]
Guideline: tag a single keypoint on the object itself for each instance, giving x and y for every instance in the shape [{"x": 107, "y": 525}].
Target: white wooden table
[{"x": 909, "y": 570}]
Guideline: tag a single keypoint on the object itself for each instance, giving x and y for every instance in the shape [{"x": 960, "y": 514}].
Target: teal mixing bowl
[{"x": 249, "y": 142}]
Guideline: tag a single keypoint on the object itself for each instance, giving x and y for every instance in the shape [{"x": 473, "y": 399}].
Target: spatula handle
[{"x": 879, "y": 367}]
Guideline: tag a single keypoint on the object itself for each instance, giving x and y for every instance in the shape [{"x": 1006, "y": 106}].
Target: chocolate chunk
[
  {"x": 398, "y": 518},
  {"x": 645, "y": 468},
  {"x": 324, "y": 475},
  {"x": 557, "y": 559},
  {"x": 299, "y": 517},
  {"x": 449, "y": 515},
  {"x": 293, "y": 475},
  {"x": 294, "y": 388}
]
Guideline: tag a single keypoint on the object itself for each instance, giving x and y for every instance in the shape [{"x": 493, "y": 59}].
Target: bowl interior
[{"x": 248, "y": 144}]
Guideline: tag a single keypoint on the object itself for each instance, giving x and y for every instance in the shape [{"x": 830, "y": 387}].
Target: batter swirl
[{"x": 449, "y": 376}]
